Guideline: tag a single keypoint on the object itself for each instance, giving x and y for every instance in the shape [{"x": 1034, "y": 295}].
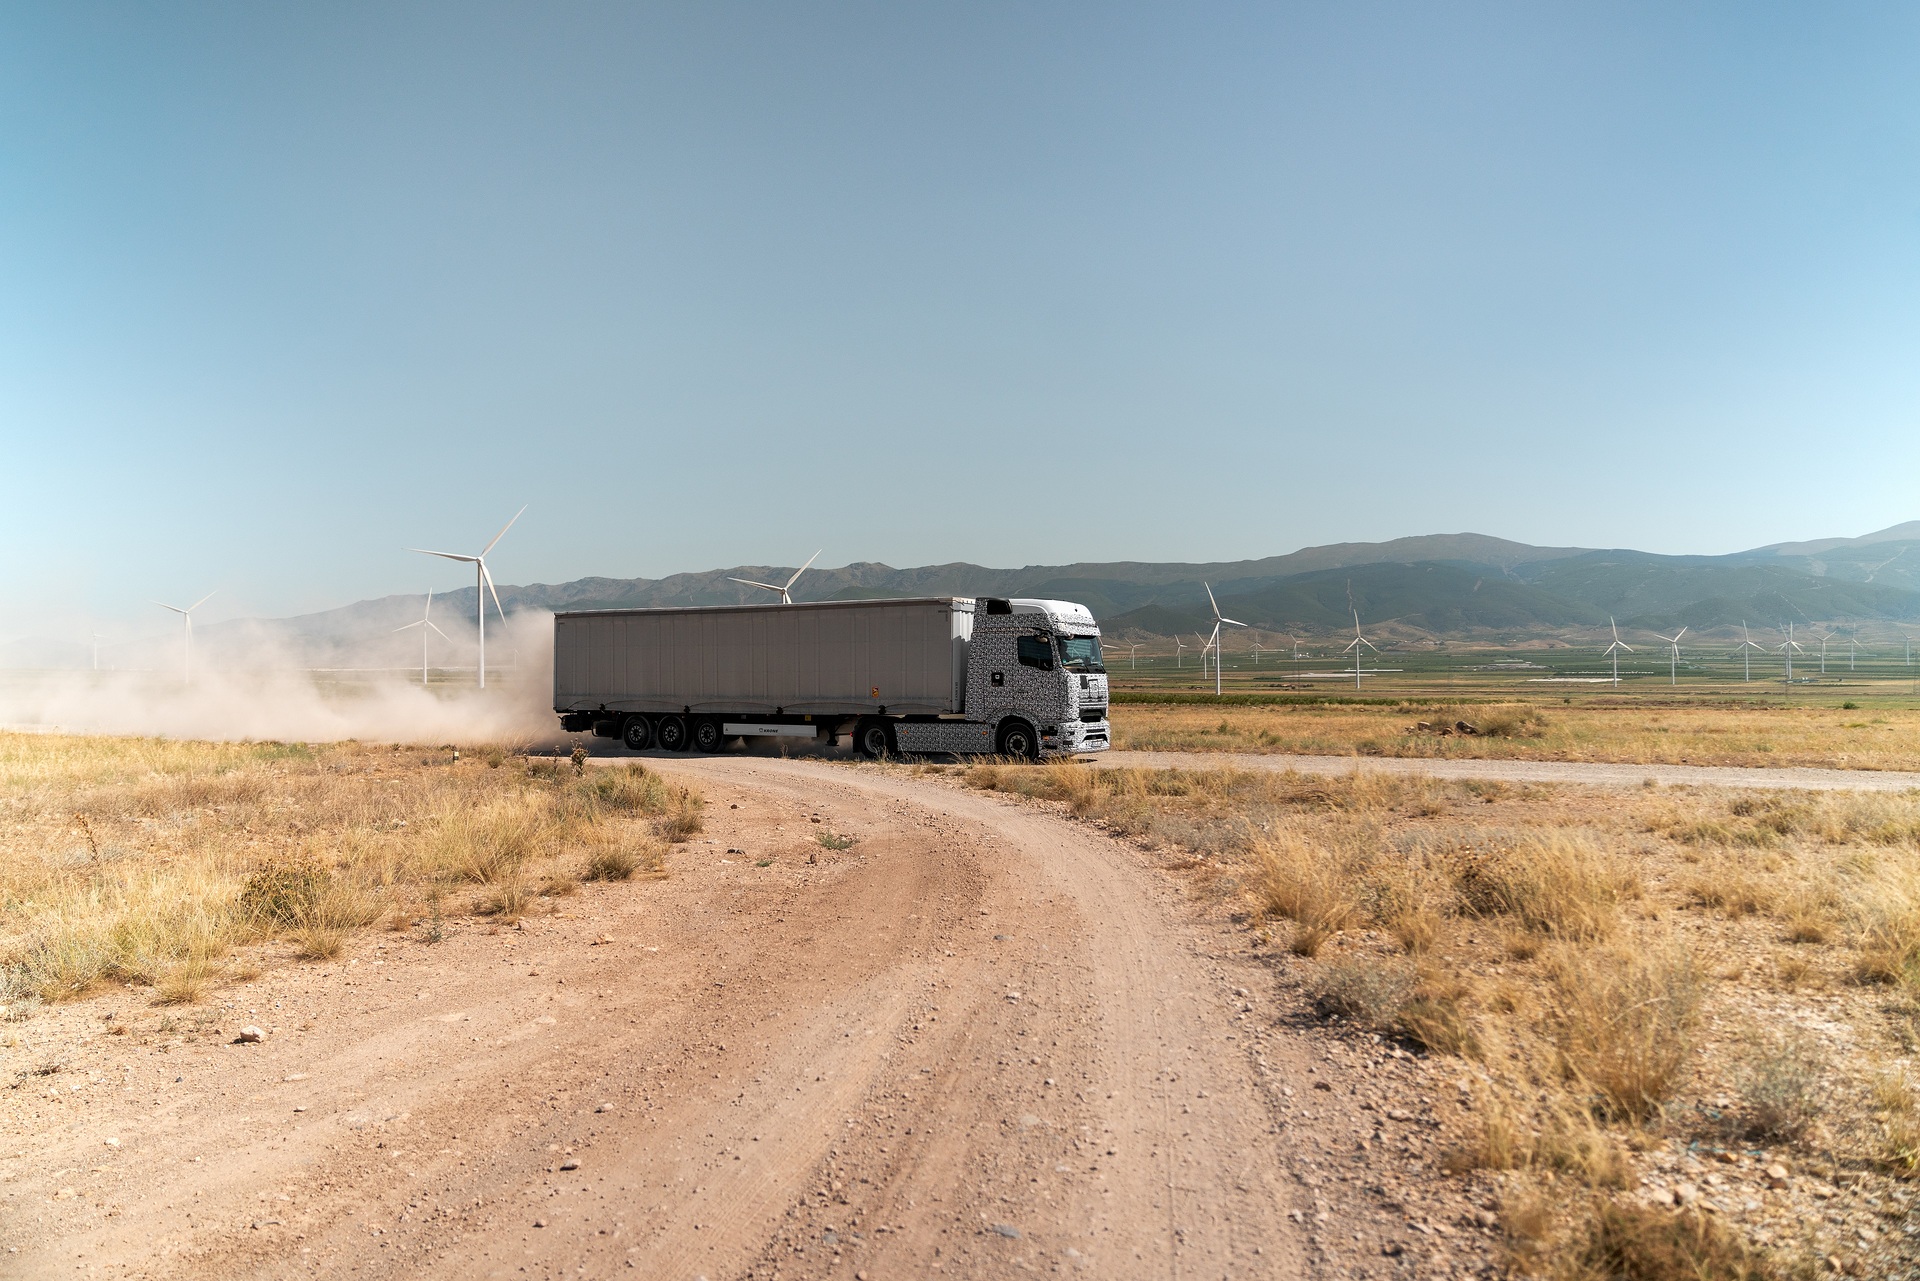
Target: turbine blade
[
  {"x": 1677, "y": 635},
  {"x": 751, "y": 583},
  {"x": 489, "y": 577},
  {"x": 449, "y": 555},
  {"x": 175, "y": 608},
  {"x": 1236, "y": 622},
  {"x": 503, "y": 531},
  {"x": 802, "y": 570},
  {"x": 203, "y": 600},
  {"x": 443, "y": 635},
  {"x": 410, "y": 626},
  {"x": 1211, "y": 601}
]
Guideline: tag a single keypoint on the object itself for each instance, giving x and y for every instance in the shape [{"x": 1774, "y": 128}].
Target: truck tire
[
  {"x": 670, "y": 734},
  {"x": 873, "y": 739},
  {"x": 637, "y": 734},
  {"x": 707, "y": 736},
  {"x": 1018, "y": 740}
]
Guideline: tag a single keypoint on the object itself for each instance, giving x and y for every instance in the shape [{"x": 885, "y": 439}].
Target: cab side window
[{"x": 1036, "y": 651}]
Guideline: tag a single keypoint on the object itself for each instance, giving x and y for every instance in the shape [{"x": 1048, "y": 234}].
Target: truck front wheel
[
  {"x": 671, "y": 734},
  {"x": 707, "y": 736},
  {"x": 874, "y": 739},
  {"x": 637, "y": 734},
  {"x": 1018, "y": 740}
]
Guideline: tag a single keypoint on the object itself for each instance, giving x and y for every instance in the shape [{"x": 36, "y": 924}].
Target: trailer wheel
[
  {"x": 707, "y": 736},
  {"x": 637, "y": 734},
  {"x": 670, "y": 734},
  {"x": 874, "y": 739},
  {"x": 1018, "y": 740}
]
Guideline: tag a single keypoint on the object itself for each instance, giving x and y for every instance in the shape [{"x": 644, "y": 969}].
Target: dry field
[
  {"x": 1830, "y": 737},
  {"x": 1683, "y": 1023},
  {"x": 167, "y": 865}
]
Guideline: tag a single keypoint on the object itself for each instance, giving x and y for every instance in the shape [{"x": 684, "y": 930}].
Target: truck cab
[
  {"x": 1034, "y": 684},
  {"x": 1038, "y": 662}
]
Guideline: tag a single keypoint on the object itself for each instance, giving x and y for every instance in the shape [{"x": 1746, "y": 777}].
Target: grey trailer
[{"x": 897, "y": 674}]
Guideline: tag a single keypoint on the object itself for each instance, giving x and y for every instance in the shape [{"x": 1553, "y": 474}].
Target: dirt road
[
  {"x": 979, "y": 1041},
  {"x": 1592, "y": 773}
]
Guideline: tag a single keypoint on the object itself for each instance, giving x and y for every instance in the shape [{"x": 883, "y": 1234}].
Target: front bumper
[{"x": 1075, "y": 737}]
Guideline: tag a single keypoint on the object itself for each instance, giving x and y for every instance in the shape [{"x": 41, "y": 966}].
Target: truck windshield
[{"x": 1081, "y": 654}]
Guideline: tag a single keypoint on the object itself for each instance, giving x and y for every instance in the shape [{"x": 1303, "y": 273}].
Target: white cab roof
[{"x": 1066, "y": 613}]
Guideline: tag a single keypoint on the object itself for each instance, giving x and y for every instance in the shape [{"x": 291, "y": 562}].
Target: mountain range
[{"x": 1469, "y": 586}]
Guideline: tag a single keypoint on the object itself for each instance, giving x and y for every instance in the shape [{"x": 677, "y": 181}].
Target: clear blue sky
[{"x": 286, "y": 288}]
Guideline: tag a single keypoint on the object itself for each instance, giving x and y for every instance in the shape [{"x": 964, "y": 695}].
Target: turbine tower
[
  {"x": 785, "y": 590},
  {"x": 1746, "y": 647},
  {"x": 186, "y": 616},
  {"x": 482, "y": 586},
  {"x": 1355, "y": 644},
  {"x": 1219, "y": 621},
  {"x": 1786, "y": 649},
  {"x": 1613, "y": 651},
  {"x": 426, "y": 624},
  {"x": 1673, "y": 658}
]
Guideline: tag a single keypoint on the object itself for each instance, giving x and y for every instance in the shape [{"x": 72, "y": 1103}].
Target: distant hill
[{"x": 1441, "y": 585}]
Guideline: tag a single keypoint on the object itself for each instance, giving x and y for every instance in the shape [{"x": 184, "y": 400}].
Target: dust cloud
[{"x": 265, "y": 700}]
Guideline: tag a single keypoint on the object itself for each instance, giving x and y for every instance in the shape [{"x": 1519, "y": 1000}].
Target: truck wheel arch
[{"x": 1008, "y": 736}]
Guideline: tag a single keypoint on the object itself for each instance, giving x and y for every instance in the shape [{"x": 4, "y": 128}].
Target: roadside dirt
[{"x": 982, "y": 1040}]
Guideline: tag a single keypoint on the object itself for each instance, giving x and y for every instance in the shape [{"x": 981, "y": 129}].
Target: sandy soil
[
  {"x": 1592, "y": 773},
  {"x": 983, "y": 1040}
]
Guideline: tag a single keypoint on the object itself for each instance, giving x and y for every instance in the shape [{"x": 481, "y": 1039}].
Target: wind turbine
[
  {"x": 785, "y": 591},
  {"x": 1613, "y": 650},
  {"x": 1178, "y": 646},
  {"x": 1786, "y": 649},
  {"x": 186, "y": 616},
  {"x": 1133, "y": 657},
  {"x": 1205, "y": 646},
  {"x": 96, "y": 651},
  {"x": 1746, "y": 647},
  {"x": 425, "y": 624},
  {"x": 1673, "y": 659},
  {"x": 482, "y": 585},
  {"x": 1853, "y": 644},
  {"x": 1355, "y": 644},
  {"x": 1219, "y": 621},
  {"x": 1256, "y": 653},
  {"x": 1823, "y": 652}
]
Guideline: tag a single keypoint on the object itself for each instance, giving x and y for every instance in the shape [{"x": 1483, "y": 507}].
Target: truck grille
[{"x": 1093, "y": 713}]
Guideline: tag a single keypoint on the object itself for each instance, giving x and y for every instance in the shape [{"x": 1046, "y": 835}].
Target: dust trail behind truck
[{"x": 942, "y": 674}]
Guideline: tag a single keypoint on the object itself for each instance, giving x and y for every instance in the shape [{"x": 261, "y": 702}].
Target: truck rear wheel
[
  {"x": 707, "y": 736},
  {"x": 873, "y": 739},
  {"x": 1018, "y": 740},
  {"x": 637, "y": 734},
  {"x": 670, "y": 734}
]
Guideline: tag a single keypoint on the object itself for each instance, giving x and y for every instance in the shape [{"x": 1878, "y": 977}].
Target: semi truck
[{"x": 947, "y": 674}]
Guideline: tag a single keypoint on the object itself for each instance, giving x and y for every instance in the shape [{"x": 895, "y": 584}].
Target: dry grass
[
  {"x": 1622, "y": 1019},
  {"x": 1819, "y": 736},
  {"x": 146, "y": 863},
  {"x": 1622, "y": 972}
]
